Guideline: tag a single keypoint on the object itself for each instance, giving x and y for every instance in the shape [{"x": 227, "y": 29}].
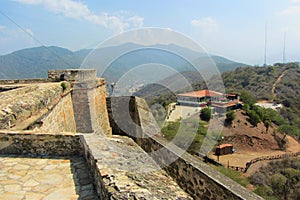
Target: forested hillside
[{"x": 278, "y": 83}]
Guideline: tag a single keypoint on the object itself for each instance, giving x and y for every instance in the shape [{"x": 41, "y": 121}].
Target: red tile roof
[
  {"x": 202, "y": 93},
  {"x": 224, "y": 145},
  {"x": 226, "y": 104}
]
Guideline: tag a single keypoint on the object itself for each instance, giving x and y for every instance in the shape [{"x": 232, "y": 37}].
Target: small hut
[{"x": 224, "y": 149}]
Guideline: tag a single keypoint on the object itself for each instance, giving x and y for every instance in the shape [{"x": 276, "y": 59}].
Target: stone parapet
[
  {"x": 72, "y": 75},
  {"x": 19, "y": 106},
  {"x": 29, "y": 143},
  {"x": 24, "y": 81},
  {"x": 89, "y": 102},
  {"x": 122, "y": 170}
]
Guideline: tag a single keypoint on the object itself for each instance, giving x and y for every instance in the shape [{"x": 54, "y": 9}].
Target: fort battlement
[{"x": 68, "y": 114}]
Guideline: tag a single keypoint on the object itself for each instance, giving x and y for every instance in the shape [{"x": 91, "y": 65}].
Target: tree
[
  {"x": 267, "y": 124},
  {"x": 205, "y": 114},
  {"x": 278, "y": 184},
  {"x": 253, "y": 117},
  {"x": 230, "y": 115},
  {"x": 288, "y": 129},
  {"x": 247, "y": 98}
]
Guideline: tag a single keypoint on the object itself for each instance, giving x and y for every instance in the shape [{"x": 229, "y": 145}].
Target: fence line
[{"x": 262, "y": 158}]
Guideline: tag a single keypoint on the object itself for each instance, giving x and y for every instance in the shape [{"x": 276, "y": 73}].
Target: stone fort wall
[
  {"x": 29, "y": 143},
  {"x": 194, "y": 176},
  {"x": 43, "y": 106},
  {"x": 60, "y": 118}
]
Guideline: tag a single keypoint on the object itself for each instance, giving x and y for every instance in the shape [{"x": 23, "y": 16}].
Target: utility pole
[
  {"x": 283, "y": 52},
  {"x": 265, "y": 56}
]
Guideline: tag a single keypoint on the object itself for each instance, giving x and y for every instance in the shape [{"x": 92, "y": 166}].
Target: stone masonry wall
[
  {"x": 60, "y": 118},
  {"x": 89, "y": 103},
  {"x": 18, "y": 107},
  {"x": 24, "y": 81},
  {"x": 194, "y": 176},
  {"x": 101, "y": 108},
  {"x": 41, "y": 144},
  {"x": 72, "y": 75}
]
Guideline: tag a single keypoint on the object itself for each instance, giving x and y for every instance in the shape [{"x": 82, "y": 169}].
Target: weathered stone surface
[
  {"x": 114, "y": 162},
  {"x": 52, "y": 184},
  {"x": 30, "y": 143},
  {"x": 18, "y": 105},
  {"x": 89, "y": 103},
  {"x": 60, "y": 118},
  {"x": 72, "y": 75},
  {"x": 124, "y": 171}
]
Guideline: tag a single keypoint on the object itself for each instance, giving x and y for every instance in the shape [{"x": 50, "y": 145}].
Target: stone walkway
[
  {"x": 128, "y": 172},
  {"x": 58, "y": 178}
]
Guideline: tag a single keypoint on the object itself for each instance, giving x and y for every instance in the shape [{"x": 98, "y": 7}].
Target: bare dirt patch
[{"x": 251, "y": 142}]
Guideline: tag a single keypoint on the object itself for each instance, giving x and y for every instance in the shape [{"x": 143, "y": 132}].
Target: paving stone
[
  {"x": 12, "y": 196},
  {"x": 50, "y": 167},
  {"x": 30, "y": 183},
  {"x": 34, "y": 196},
  {"x": 14, "y": 176},
  {"x": 12, "y": 188},
  {"x": 39, "y": 179},
  {"x": 65, "y": 193},
  {"x": 21, "y": 167}
]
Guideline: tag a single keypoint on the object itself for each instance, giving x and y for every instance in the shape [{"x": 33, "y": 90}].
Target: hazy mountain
[{"x": 35, "y": 62}]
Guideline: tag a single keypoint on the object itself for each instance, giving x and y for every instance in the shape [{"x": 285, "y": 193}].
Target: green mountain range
[{"x": 35, "y": 62}]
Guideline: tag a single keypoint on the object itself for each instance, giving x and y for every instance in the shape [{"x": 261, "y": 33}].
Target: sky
[{"x": 234, "y": 29}]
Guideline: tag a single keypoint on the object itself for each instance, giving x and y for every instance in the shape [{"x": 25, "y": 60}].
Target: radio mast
[
  {"x": 265, "y": 57},
  {"x": 283, "y": 52}
]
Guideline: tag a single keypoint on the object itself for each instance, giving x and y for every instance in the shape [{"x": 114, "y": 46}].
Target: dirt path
[
  {"x": 294, "y": 145},
  {"x": 276, "y": 82}
]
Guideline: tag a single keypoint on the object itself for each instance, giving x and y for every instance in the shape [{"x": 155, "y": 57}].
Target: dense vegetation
[
  {"x": 278, "y": 180},
  {"x": 257, "y": 83},
  {"x": 205, "y": 114}
]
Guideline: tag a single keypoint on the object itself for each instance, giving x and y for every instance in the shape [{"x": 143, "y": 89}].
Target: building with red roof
[
  {"x": 199, "y": 98},
  {"x": 224, "y": 149}
]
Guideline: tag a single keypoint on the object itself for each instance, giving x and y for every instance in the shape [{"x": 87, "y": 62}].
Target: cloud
[
  {"x": 296, "y": 1},
  {"x": 12, "y": 39},
  {"x": 206, "y": 23},
  {"x": 2, "y": 27},
  {"x": 79, "y": 10},
  {"x": 29, "y": 31},
  {"x": 291, "y": 10}
]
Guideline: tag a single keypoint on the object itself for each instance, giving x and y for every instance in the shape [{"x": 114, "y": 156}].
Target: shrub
[
  {"x": 205, "y": 114},
  {"x": 230, "y": 115},
  {"x": 63, "y": 86}
]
